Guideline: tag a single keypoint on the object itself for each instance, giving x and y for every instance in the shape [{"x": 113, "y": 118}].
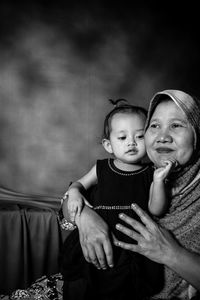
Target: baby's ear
[{"x": 107, "y": 145}]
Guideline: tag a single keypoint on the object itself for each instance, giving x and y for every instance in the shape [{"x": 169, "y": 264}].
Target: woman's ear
[{"x": 107, "y": 145}]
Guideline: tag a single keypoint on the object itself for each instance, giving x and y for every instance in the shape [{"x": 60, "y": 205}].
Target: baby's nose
[{"x": 132, "y": 141}]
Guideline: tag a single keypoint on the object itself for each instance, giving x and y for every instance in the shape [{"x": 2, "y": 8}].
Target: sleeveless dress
[{"x": 132, "y": 273}]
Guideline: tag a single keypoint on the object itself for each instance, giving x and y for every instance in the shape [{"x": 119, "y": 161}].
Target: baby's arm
[
  {"x": 76, "y": 200},
  {"x": 158, "y": 200}
]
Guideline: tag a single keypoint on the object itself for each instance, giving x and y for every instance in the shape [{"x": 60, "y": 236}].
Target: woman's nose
[{"x": 164, "y": 137}]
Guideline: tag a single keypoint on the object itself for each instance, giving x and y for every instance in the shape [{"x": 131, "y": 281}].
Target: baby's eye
[
  {"x": 140, "y": 137},
  {"x": 121, "y": 138}
]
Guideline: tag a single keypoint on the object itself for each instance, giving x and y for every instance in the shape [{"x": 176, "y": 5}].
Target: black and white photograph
[{"x": 99, "y": 150}]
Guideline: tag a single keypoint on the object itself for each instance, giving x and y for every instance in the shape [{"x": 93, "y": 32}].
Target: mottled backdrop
[{"x": 61, "y": 61}]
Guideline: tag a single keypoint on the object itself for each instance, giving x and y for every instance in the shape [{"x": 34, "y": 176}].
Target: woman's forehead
[{"x": 168, "y": 108}]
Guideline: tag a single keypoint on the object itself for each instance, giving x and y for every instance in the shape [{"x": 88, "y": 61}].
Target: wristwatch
[{"x": 64, "y": 223}]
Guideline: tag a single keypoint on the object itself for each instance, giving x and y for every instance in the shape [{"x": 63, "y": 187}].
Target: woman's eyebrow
[
  {"x": 171, "y": 119},
  {"x": 185, "y": 121},
  {"x": 154, "y": 119}
]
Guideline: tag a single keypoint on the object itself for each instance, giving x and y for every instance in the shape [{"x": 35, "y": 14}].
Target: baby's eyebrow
[{"x": 122, "y": 131}]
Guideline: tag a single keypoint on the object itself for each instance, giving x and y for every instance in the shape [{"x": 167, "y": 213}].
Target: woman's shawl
[
  {"x": 183, "y": 217},
  {"x": 183, "y": 220}
]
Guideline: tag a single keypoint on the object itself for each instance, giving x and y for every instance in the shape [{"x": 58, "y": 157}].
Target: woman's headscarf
[{"x": 183, "y": 217}]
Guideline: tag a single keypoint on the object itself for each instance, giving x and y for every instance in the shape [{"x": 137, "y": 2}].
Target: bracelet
[
  {"x": 64, "y": 197},
  {"x": 64, "y": 224}
]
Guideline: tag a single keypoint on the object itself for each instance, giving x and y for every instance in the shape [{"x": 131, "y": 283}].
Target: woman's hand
[
  {"x": 159, "y": 245},
  {"x": 95, "y": 238},
  {"x": 153, "y": 241}
]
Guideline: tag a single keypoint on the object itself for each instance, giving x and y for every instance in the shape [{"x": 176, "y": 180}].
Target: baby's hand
[
  {"x": 162, "y": 172},
  {"x": 75, "y": 204}
]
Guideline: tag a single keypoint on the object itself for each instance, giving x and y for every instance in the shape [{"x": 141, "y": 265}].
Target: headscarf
[{"x": 183, "y": 216}]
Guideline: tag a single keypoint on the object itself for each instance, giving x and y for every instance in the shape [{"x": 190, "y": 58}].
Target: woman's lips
[{"x": 164, "y": 150}]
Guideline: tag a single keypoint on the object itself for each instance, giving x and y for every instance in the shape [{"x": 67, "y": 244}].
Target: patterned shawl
[{"x": 183, "y": 217}]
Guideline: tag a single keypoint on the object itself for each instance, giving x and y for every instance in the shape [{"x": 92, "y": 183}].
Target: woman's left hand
[{"x": 153, "y": 241}]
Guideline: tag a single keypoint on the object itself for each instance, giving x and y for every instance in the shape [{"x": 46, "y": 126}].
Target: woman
[{"x": 172, "y": 132}]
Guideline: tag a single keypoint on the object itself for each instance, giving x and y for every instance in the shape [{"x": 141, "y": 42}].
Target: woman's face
[{"x": 169, "y": 135}]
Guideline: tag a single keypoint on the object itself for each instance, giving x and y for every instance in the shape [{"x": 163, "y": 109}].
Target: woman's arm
[
  {"x": 95, "y": 238},
  {"x": 158, "y": 245},
  {"x": 94, "y": 235}
]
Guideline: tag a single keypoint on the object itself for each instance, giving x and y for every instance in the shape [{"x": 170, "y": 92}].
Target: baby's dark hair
[{"x": 120, "y": 106}]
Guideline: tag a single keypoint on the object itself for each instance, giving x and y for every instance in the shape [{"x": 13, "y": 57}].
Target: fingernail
[
  {"x": 121, "y": 216},
  {"x": 118, "y": 226},
  {"x": 117, "y": 243},
  {"x": 111, "y": 266},
  {"x": 133, "y": 205}
]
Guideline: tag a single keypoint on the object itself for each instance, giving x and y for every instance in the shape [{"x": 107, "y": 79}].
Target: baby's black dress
[{"x": 132, "y": 273}]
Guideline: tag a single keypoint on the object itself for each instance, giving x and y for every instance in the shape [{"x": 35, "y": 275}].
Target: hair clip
[{"x": 118, "y": 102}]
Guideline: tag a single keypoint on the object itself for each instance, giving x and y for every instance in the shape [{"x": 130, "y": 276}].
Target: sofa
[{"x": 30, "y": 238}]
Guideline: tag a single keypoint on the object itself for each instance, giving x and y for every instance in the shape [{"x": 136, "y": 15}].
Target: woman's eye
[
  {"x": 176, "y": 125},
  {"x": 154, "y": 125}
]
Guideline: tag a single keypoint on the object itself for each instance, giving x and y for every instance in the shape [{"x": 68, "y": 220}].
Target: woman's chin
[{"x": 162, "y": 161}]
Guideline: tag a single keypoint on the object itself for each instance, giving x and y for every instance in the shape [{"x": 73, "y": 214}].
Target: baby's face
[{"x": 127, "y": 137}]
